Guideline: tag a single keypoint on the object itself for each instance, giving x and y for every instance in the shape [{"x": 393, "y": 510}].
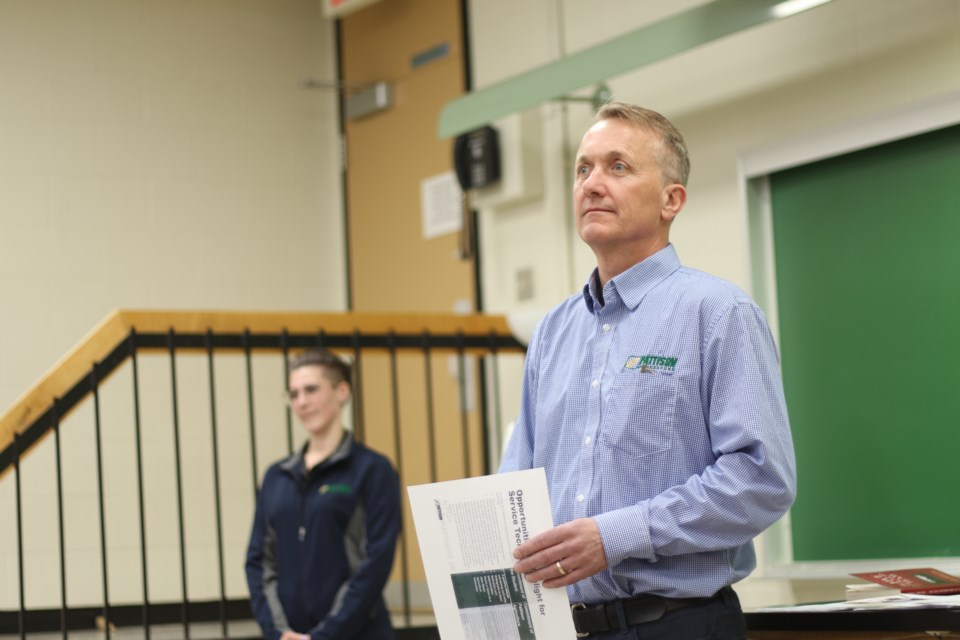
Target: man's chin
[{"x": 594, "y": 232}]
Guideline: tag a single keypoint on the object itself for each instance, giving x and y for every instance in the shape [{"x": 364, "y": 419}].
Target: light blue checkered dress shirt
[{"x": 661, "y": 415}]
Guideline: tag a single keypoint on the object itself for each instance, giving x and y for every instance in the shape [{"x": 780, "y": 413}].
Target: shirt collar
[
  {"x": 635, "y": 282},
  {"x": 295, "y": 464}
]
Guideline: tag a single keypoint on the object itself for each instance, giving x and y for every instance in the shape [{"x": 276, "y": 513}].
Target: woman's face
[{"x": 315, "y": 399}]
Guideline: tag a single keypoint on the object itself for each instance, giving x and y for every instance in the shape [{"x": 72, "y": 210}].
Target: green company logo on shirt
[
  {"x": 651, "y": 364},
  {"x": 336, "y": 488}
]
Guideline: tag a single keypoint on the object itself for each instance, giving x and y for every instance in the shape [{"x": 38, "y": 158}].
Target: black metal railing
[{"x": 419, "y": 348}]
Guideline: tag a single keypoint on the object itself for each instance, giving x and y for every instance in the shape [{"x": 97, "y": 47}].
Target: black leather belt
[{"x": 598, "y": 618}]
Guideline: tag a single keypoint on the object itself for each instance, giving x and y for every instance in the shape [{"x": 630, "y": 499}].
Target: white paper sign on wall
[{"x": 441, "y": 202}]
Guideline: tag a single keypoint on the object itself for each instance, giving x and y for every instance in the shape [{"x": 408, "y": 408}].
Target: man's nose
[{"x": 593, "y": 183}]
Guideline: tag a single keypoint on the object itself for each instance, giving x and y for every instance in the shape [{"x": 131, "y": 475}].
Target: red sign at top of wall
[{"x": 340, "y": 8}]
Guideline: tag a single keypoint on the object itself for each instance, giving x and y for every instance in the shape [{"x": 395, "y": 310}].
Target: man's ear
[{"x": 674, "y": 197}]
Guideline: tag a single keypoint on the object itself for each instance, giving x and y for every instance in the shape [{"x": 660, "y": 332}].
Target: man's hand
[
  {"x": 292, "y": 635},
  {"x": 576, "y": 545}
]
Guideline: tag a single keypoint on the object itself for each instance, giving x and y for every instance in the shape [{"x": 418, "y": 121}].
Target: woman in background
[{"x": 326, "y": 522}]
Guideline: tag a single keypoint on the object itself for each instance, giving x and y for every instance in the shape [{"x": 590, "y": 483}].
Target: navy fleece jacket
[{"x": 322, "y": 545}]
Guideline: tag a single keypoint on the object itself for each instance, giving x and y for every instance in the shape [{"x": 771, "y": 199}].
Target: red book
[{"x": 925, "y": 581}]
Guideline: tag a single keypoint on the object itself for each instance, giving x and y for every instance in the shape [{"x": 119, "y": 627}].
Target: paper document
[
  {"x": 467, "y": 531},
  {"x": 895, "y": 602}
]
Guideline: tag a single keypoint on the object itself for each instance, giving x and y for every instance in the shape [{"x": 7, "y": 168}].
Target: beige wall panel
[{"x": 154, "y": 154}]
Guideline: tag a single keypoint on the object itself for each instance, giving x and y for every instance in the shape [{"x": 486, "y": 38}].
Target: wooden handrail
[{"x": 117, "y": 326}]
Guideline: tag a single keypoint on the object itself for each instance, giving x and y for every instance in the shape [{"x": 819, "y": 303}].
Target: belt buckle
[{"x": 575, "y": 607}]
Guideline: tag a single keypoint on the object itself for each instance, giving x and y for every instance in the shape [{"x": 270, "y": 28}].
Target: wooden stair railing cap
[{"x": 116, "y": 327}]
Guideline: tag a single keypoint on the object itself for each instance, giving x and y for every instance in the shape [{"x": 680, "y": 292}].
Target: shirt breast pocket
[{"x": 640, "y": 414}]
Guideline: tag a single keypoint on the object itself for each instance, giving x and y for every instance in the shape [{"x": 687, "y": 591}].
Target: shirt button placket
[{"x": 595, "y": 401}]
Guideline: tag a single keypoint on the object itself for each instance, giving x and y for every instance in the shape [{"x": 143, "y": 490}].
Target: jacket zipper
[{"x": 301, "y": 538}]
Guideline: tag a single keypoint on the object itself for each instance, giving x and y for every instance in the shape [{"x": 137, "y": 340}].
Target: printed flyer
[{"x": 467, "y": 530}]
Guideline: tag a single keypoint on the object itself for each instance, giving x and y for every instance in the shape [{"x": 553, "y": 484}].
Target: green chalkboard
[{"x": 867, "y": 250}]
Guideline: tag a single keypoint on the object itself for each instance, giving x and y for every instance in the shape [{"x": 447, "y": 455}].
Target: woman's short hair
[{"x": 334, "y": 367}]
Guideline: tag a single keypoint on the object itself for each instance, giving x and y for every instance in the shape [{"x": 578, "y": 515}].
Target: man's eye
[
  {"x": 311, "y": 389},
  {"x": 583, "y": 170},
  {"x": 619, "y": 166}
]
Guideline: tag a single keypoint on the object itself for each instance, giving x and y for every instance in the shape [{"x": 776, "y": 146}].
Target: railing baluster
[
  {"x": 184, "y": 605},
  {"x": 253, "y": 421},
  {"x": 63, "y": 547},
  {"x": 398, "y": 454},
  {"x": 497, "y": 408},
  {"x": 464, "y": 417},
  {"x": 285, "y": 346},
  {"x": 21, "y": 615},
  {"x": 218, "y": 509},
  {"x": 484, "y": 411},
  {"x": 143, "y": 518},
  {"x": 431, "y": 417},
  {"x": 95, "y": 388},
  {"x": 357, "y": 387}
]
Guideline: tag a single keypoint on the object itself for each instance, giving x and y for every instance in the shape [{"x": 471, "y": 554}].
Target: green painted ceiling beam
[{"x": 646, "y": 45}]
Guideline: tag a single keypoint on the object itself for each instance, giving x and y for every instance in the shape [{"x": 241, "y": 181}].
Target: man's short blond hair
[{"x": 673, "y": 158}]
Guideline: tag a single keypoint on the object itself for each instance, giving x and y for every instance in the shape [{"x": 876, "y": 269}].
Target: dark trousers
[{"x": 720, "y": 619}]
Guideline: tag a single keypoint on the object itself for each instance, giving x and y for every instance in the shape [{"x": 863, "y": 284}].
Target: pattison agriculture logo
[
  {"x": 335, "y": 488},
  {"x": 651, "y": 364}
]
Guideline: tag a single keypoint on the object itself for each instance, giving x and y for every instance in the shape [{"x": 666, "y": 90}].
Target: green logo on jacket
[{"x": 335, "y": 488}]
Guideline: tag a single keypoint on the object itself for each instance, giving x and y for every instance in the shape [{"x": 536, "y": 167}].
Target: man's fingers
[
  {"x": 544, "y": 560},
  {"x": 562, "y": 555},
  {"x": 539, "y": 542},
  {"x": 575, "y": 568}
]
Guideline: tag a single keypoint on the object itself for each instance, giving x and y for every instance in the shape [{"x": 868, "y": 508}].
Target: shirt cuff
[{"x": 625, "y": 533}]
